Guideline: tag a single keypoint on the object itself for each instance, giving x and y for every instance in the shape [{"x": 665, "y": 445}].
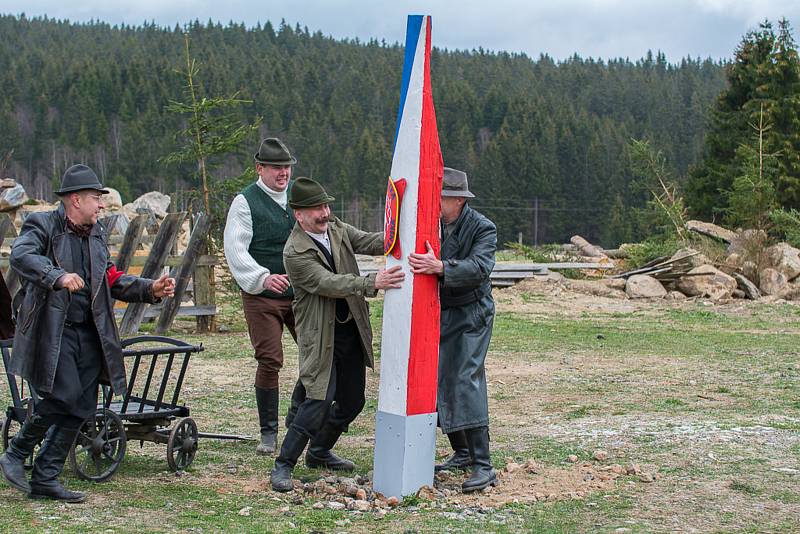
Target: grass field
[{"x": 704, "y": 400}]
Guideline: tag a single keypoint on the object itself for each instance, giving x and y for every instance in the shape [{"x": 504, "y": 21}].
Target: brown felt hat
[
  {"x": 454, "y": 184},
  {"x": 274, "y": 152},
  {"x": 307, "y": 193}
]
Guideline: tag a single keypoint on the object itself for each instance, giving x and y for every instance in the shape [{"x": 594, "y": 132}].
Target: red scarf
[{"x": 81, "y": 230}]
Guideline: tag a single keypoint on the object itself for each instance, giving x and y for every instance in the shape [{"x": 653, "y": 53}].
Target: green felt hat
[
  {"x": 307, "y": 193},
  {"x": 274, "y": 152}
]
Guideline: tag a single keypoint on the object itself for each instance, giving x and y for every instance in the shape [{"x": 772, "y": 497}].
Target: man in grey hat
[
  {"x": 469, "y": 242},
  {"x": 66, "y": 340},
  {"x": 258, "y": 225},
  {"x": 333, "y": 329}
]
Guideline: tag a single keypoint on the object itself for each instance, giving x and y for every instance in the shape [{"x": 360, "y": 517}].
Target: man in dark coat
[
  {"x": 66, "y": 338},
  {"x": 333, "y": 329},
  {"x": 469, "y": 242}
]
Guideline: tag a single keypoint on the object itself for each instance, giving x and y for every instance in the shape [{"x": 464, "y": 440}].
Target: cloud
[{"x": 596, "y": 28}]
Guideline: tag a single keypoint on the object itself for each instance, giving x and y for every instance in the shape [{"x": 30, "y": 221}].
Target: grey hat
[
  {"x": 79, "y": 178},
  {"x": 454, "y": 184},
  {"x": 274, "y": 152}
]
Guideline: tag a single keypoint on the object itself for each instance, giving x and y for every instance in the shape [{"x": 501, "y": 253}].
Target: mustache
[{"x": 320, "y": 220}]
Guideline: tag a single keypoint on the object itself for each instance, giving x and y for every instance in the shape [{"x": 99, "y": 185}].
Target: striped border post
[{"x": 405, "y": 434}]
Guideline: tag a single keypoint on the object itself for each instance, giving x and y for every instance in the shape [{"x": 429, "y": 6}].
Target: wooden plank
[
  {"x": 6, "y": 229},
  {"x": 203, "y": 294},
  {"x": 184, "y": 271},
  {"x": 113, "y": 240},
  {"x": 12, "y": 280},
  {"x": 183, "y": 311},
  {"x": 172, "y": 261},
  {"x": 130, "y": 242},
  {"x": 167, "y": 234}
]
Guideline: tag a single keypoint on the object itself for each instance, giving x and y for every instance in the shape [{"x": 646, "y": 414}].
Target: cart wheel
[
  {"x": 9, "y": 429},
  {"x": 182, "y": 444},
  {"x": 99, "y": 446}
]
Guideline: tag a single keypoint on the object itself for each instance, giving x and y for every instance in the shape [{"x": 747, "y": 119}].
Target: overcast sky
[{"x": 591, "y": 28}]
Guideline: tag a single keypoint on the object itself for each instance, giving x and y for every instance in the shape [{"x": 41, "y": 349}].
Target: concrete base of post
[{"x": 405, "y": 448}]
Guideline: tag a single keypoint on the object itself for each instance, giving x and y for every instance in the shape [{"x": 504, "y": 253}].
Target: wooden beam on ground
[
  {"x": 184, "y": 271},
  {"x": 586, "y": 248},
  {"x": 166, "y": 236}
]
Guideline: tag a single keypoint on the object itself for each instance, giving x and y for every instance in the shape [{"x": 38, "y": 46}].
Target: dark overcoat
[
  {"x": 316, "y": 288},
  {"x": 41, "y": 254},
  {"x": 468, "y": 254}
]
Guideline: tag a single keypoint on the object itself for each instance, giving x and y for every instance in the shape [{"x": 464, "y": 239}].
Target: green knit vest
[{"x": 271, "y": 228}]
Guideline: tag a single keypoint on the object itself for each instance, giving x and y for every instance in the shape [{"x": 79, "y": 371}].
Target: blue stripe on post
[{"x": 412, "y": 39}]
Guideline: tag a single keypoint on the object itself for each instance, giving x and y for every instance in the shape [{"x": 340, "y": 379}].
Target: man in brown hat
[
  {"x": 333, "y": 330},
  {"x": 469, "y": 242},
  {"x": 66, "y": 337},
  {"x": 258, "y": 225}
]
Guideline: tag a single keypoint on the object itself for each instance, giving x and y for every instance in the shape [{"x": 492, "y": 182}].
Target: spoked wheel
[
  {"x": 10, "y": 428},
  {"x": 99, "y": 446},
  {"x": 182, "y": 444}
]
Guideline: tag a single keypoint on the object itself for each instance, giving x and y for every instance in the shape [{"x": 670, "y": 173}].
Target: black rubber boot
[
  {"x": 319, "y": 451},
  {"x": 12, "y": 463},
  {"x": 292, "y": 447},
  {"x": 267, "y": 401},
  {"x": 298, "y": 396},
  {"x": 48, "y": 465},
  {"x": 460, "y": 458},
  {"x": 483, "y": 474}
]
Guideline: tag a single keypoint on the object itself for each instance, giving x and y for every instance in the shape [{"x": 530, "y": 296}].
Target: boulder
[
  {"x": 791, "y": 292},
  {"x": 154, "y": 201},
  {"x": 641, "y": 286},
  {"x": 772, "y": 281},
  {"x": 12, "y": 198},
  {"x": 711, "y": 230},
  {"x": 594, "y": 287},
  {"x": 748, "y": 244},
  {"x": 749, "y": 289},
  {"x": 784, "y": 258},
  {"x": 21, "y": 214},
  {"x": 112, "y": 200},
  {"x": 706, "y": 281},
  {"x": 614, "y": 283},
  {"x": 675, "y": 295}
]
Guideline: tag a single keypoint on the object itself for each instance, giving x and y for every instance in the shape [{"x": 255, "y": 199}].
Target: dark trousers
[
  {"x": 344, "y": 398},
  {"x": 74, "y": 394},
  {"x": 266, "y": 318}
]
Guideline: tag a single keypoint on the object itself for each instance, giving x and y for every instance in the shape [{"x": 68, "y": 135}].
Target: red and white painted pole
[{"x": 405, "y": 433}]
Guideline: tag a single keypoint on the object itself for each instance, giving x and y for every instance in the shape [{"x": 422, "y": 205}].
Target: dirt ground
[
  {"x": 657, "y": 439},
  {"x": 682, "y": 469}
]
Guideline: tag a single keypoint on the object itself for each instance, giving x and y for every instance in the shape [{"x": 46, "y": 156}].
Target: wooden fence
[{"x": 185, "y": 266}]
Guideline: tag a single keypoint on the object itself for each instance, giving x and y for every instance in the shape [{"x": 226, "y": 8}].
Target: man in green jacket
[
  {"x": 469, "y": 242},
  {"x": 332, "y": 325}
]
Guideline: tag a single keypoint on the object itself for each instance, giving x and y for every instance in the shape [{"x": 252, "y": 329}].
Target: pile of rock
[
  {"x": 749, "y": 270},
  {"x": 15, "y": 202}
]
